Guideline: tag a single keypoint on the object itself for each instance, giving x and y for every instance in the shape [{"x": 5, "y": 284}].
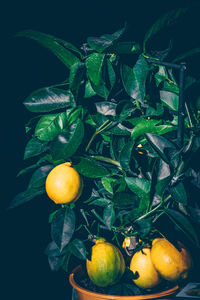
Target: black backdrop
[{"x": 25, "y": 66}]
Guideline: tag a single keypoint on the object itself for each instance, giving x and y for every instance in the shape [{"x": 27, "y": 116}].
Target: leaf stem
[{"x": 105, "y": 125}]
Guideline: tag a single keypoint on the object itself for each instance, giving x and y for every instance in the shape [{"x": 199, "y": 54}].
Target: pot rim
[{"x": 117, "y": 297}]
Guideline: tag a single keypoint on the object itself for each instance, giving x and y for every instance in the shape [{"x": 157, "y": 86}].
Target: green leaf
[
  {"x": 94, "y": 64},
  {"x": 125, "y": 48},
  {"x": 26, "y": 196},
  {"x": 187, "y": 54},
  {"x": 143, "y": 227},
  {"x": 41, "y": 161},
  {"x": 35, "y": 147},
  {"x": 39, "y": 176},
  {"x": 106, "y": 108},
  {"x": 163, "y": 147},
  {"x": 102, "y": 202},
  {"x": 77, "y": 248},
  {"x": 171, "y": 87},
  {"x": 166, "y": 20},
  {"x": 49, "y": 126},
  {"x": 113, "y": 185},
  {"x": 55, "y": 262},
  {"x": 65, "y": 51},
  {"x": 169, "y": 99},
  {"x": 134, "y": 79},
  {"x": 103, "y": 42},
  {"x": 48, "y": 99},
  {"x": 143, "y": 126},
  {"x": 68, "y": 141},
  {"x": 98, "y": 67},
  {"x": 75, "y": 77},
  {"x": 126, "y": 155},
  {"x": 183, "y": 224},
  {"x": 178, "y": 193},
  {"x": 161, "y": 75},
  {"x": 89, "y": 92},
  {"x": 125, "y": 200},
  {"x": 90, "y": 168},
  {"x": 62, "y": 227},
  {"x": 157, "y": 111},
  {"x": 139, "y": 186},
  {"x": 109, "y": 215}
]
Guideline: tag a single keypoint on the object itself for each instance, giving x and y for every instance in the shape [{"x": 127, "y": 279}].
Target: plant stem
[
  {"x": 150, "y": 213},
  {"x": 105, "y": 125},
  {"x": 106, "y": 159}
]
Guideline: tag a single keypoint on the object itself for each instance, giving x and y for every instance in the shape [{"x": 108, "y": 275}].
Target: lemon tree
[{"x": 102, "y": 145}]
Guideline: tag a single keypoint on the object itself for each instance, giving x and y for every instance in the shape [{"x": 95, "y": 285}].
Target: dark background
[{"x": 26, "y": 66}]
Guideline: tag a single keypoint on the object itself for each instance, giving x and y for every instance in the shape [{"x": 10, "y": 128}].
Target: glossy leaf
[
  {"x": 102, "y": 202},
  {"x": 62, "y": 227},
  {"x": 162, "y": 146},
  {"x": 97, "y": 68},
  {"x": 106, "y": 108},
  {"x": 77, "y": 248},
  {"x": 143, "y": 227},
  {"x": 109, "y": 215},
  {"x": 94, "y": 64},
  {"x": 39, "y": 176},
  {"x": 166, "y": 20},
  {"x": 30, "y": 168},
  {"x": 125, "y": 200},
  {"x": 113, "y": 185},
  {"x": 161, "y": 75},
  {"x": 157, "y": 111},
  {"x": 90, "y": 168},
  {"x": 48, "y": 99},
  {"x": 35, "y": 147},
  {"x": 55, "y": 262},
  {"x": 26, "y": 196},
  {"x": 134, "y": 79},
  {"x": 76, "y": 76},
  {"x": 143, "y": 126},
  {"x": 65, "y": 51},
  {"x": 125, "y": 48},
  {"x": 178, "y": 193},
  {"x": 125, "y": 156},
  {"x": 139, "y": 186},
  {"x": 169, "y": 99},
  {"x": 89, "y": 92},
  {"x": 49, "y": 126},
  {"x": 103, "y": 42},
  {"x": 187, "y": 54},
  {"x": 68, "y": 141},
  {"x": 183, "y": 223}
]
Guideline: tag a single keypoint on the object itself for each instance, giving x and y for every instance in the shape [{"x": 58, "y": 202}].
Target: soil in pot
[{"x": 125, "y": 287}]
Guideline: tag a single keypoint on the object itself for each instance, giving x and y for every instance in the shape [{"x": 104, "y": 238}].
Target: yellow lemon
[
  {"x": 64, "y": 184},
  {"x": 171, "y": 263},
  {"x": 142, "y": 266},
  {"x": 107, "y": 265}
]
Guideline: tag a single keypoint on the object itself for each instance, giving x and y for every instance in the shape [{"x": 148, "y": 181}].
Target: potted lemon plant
[{"x": 115, "y": 147}]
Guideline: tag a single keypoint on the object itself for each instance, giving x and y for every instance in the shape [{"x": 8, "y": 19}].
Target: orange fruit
[
  {"x": 64, "y": 184},
  {"x": 107, "y": 265},
  {"x": 171, "y": 264},
  {"x": 142, "y": 266}
]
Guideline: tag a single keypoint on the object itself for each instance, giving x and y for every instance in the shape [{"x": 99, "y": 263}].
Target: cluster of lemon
[{"x": 149, "y": 265}]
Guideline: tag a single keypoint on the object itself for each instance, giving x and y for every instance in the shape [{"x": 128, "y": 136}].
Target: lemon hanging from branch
[{"x": 64, "y": 184}]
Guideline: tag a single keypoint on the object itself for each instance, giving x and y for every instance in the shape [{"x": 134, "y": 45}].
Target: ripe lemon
[
  {"x": 141, "y": 263},
  {"x": 64, "y": 184},
  {"x": 171, "y": 264},
  {"x": 107, "y": 265}
]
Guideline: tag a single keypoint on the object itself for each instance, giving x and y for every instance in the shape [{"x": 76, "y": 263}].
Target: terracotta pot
[{"x": 84, "y": 294}]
